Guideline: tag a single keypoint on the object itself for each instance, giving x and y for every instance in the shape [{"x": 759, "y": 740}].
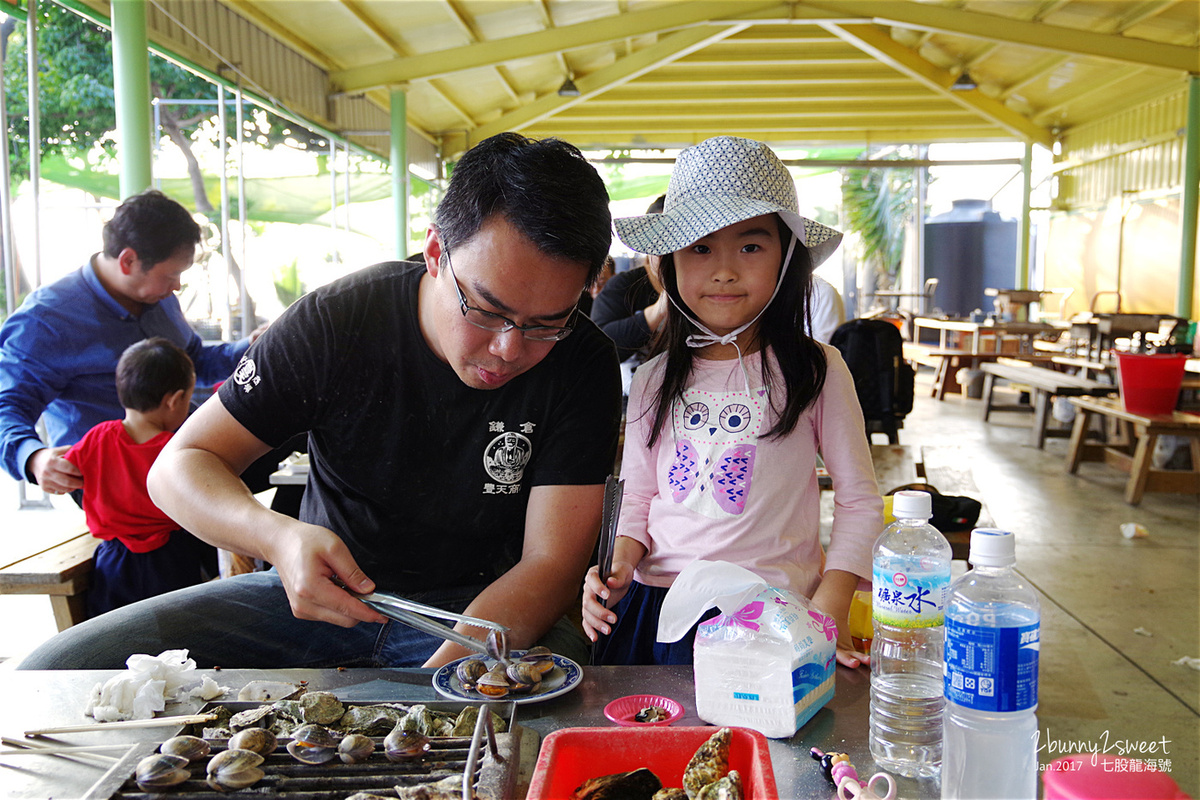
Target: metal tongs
[
  {"x": 418, "y": 616},
  {"x": 610, "y": 515}
]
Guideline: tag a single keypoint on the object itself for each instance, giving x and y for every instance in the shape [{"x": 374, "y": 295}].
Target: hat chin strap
[{"x": 708, "y": 337}]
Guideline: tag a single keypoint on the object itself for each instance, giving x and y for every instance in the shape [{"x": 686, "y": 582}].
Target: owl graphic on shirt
[{"x": 716, "y": 436}]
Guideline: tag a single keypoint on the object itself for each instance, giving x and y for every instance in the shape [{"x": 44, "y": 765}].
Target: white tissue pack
[{"x": 766, "y": 662}]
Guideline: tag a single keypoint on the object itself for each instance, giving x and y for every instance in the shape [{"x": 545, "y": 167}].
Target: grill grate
[{"x": 494, "y": 772}]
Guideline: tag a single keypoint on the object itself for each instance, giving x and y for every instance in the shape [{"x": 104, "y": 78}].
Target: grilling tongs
[{"x": 418, "y": 616}]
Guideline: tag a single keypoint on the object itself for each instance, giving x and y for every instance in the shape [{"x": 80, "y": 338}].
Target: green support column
[
  {"x": 131, "y": 84},
  {"x": 1191, "y": 201},
  {"x": 399, "y": 155},
  {"x": 1026, "y": 224}
]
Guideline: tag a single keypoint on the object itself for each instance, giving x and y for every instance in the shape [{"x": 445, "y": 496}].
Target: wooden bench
[
  {"x": 1132, "y": 447},
  {"x": 62, "y": 571},
  {"x": 1044, "y": 384}
]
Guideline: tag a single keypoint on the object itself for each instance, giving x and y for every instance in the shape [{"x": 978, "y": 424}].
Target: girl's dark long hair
[{"x": 782, "y": 329}]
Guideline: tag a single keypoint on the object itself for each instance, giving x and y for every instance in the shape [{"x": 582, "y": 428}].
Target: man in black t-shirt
[{"x": 461, "y": 418}]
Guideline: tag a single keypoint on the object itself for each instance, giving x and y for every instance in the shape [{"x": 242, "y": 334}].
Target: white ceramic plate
[{"x": 565, "y": 676}]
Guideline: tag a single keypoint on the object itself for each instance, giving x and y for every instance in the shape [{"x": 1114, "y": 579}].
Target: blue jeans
[{"x": 245, "y": 622}]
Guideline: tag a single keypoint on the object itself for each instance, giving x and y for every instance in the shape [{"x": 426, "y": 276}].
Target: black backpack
[{"x": 874, "y": 351}]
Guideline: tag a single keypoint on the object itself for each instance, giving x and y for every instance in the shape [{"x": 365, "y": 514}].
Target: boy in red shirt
[{"x": 143, "y": 552}]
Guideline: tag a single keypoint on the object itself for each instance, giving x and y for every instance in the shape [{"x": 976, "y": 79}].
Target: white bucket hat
[{"x": 716, "y": 183}]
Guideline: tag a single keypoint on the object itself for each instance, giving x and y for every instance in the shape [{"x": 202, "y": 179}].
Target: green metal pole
[
  {"x": 399, "y": 156},
  {"x": 131, "y": 84},
  {"x": 1191, "y": 202},
  {"x": 1026, "y": 191}
]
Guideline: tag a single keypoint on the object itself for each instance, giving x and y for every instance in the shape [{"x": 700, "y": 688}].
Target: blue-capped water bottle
[
  {"x": 910, "y": 582},
  {"x": 992, "y": 645}
]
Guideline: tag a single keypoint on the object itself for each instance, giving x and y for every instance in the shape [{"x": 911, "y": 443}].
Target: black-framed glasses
[{"x": 497, "y": 323}]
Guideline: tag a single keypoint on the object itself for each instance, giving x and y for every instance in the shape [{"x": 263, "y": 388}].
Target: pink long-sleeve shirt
[{"x": 712, "y": 489}]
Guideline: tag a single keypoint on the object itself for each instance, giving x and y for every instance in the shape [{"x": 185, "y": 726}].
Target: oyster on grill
[{"x": 322, "y": 708}]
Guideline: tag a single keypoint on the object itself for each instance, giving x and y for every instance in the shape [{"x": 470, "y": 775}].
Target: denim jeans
[{"x": 245, "y": 622}]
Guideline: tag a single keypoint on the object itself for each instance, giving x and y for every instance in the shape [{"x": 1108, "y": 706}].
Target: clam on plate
[{"x": 565, "y": 676}]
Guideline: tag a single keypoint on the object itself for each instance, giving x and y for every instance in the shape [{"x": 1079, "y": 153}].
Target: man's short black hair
[
  {"x": 545, "y": 188},
  {"x": 153, "y": 225},
  {"x": 658, "y": 205},
  {"x": 150, "y": 370}
]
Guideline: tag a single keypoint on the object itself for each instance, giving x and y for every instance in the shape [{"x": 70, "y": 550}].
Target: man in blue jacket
[{"x": 59, "y": 350}]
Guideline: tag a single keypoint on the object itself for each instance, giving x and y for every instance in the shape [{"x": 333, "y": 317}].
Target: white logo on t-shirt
[
  {"x": 506, "y": 456},
  {"x": 246, "y": 374}
]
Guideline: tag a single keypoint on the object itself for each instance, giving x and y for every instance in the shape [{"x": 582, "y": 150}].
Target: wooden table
[
  {"x": 979, "y": 331},
  {"x": 1045, "y": 384},
  {"x": 1133, "y": 446},
  {"x": 43, "y": 699}
]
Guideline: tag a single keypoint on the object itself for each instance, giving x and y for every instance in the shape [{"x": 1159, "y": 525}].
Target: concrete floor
[{"x": 1115, "y": 612}]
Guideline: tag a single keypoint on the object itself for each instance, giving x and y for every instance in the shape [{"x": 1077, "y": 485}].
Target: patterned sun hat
[{"x": 716, "y": 183}]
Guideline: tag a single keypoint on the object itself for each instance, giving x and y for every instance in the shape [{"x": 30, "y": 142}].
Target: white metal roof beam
[
  {"x": 670, "y": 48},
  {"x": 547, "y": 42},
  {"x": 875, "y": 41},
  {"x": 926, "y": 16}
]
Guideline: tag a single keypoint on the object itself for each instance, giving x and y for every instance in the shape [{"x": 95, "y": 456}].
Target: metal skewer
[{"x": 418, "y": 616}]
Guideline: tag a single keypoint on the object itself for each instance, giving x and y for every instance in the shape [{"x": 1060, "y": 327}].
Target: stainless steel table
[{"x": 44, "y": 699}]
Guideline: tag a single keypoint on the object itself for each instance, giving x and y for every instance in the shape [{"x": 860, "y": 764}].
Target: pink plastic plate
[{"x": 623, "y": 710}]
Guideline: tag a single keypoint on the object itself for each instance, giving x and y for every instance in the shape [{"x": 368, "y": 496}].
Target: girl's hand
[{"x": 596, "y": 618}]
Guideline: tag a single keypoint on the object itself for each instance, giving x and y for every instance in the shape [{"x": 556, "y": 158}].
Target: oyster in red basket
[
  {"x": 728, "y": 788},
  {"x": 641, "y": 784},
  {"x": 709, "y": 764}
]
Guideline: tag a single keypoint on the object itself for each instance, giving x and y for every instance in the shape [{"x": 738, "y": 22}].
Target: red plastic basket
[
  {"x": 570, "y": 756},
  {"x": 1150, "y": 383},
  {"x": 1107, "y": 777}
]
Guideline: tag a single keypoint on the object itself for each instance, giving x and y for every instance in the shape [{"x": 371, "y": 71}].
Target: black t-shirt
[
  {"x": 423, "y": 477},
  {"x": 619, "y": 311}
]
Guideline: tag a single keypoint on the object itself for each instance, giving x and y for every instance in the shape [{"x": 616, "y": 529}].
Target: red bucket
[
  {"x": 1108, "y": 777},
  {"x": 1150, "y": 383}
]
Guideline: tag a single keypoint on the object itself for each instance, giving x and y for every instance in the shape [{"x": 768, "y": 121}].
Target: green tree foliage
[{"x": 878, "y": 204}]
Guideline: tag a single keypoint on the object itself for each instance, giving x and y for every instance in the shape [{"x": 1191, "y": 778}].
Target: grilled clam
[
  {"x": 401, "y": 745},
  {"x": 193, "y": 748},
  {"x": 523, "y": 676},
  {"x": 355, "y": 748},
  {"x": 539, "y": 656},
  {"x": 494, "y": 683},
  {"x": 161, "y": 770},
  {"x": 470, "y": 671},
  {"x": 257, "y": 740},
  {"x": 313, "y": 744},
  {"x": 231, "y": 770}
]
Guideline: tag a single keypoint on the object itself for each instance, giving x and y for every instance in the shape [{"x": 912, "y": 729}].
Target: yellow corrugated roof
[{"x": 672, "y": 72}]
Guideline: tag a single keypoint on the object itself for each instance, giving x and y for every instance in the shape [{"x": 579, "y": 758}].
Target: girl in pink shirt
[{"x": 725, "y": 424}]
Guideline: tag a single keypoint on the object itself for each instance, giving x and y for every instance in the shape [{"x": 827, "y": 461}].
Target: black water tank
[{"x": 969, "y": 249}]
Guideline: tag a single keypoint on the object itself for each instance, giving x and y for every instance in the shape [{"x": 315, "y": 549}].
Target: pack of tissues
[{"x": 765, "y": 662}]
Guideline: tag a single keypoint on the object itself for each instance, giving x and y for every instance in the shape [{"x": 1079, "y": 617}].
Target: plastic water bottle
[
  {"x": 911, "y": 580},
  {"x": 992, "y": 640}
]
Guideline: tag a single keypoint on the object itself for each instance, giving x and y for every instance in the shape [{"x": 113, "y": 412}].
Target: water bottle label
[
  {"x": 992, "y": 669},
  {"x": 910, "y": 599}
]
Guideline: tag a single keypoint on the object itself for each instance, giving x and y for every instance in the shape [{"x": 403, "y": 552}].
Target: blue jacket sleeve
[{"x": 26, "y": 387}]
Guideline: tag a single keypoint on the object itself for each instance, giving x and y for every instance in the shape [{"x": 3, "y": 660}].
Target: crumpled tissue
[{"x": 149, "y": 683}]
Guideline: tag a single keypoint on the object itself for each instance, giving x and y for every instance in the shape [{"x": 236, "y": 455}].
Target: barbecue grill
[{"x": 490, "y": 759}]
